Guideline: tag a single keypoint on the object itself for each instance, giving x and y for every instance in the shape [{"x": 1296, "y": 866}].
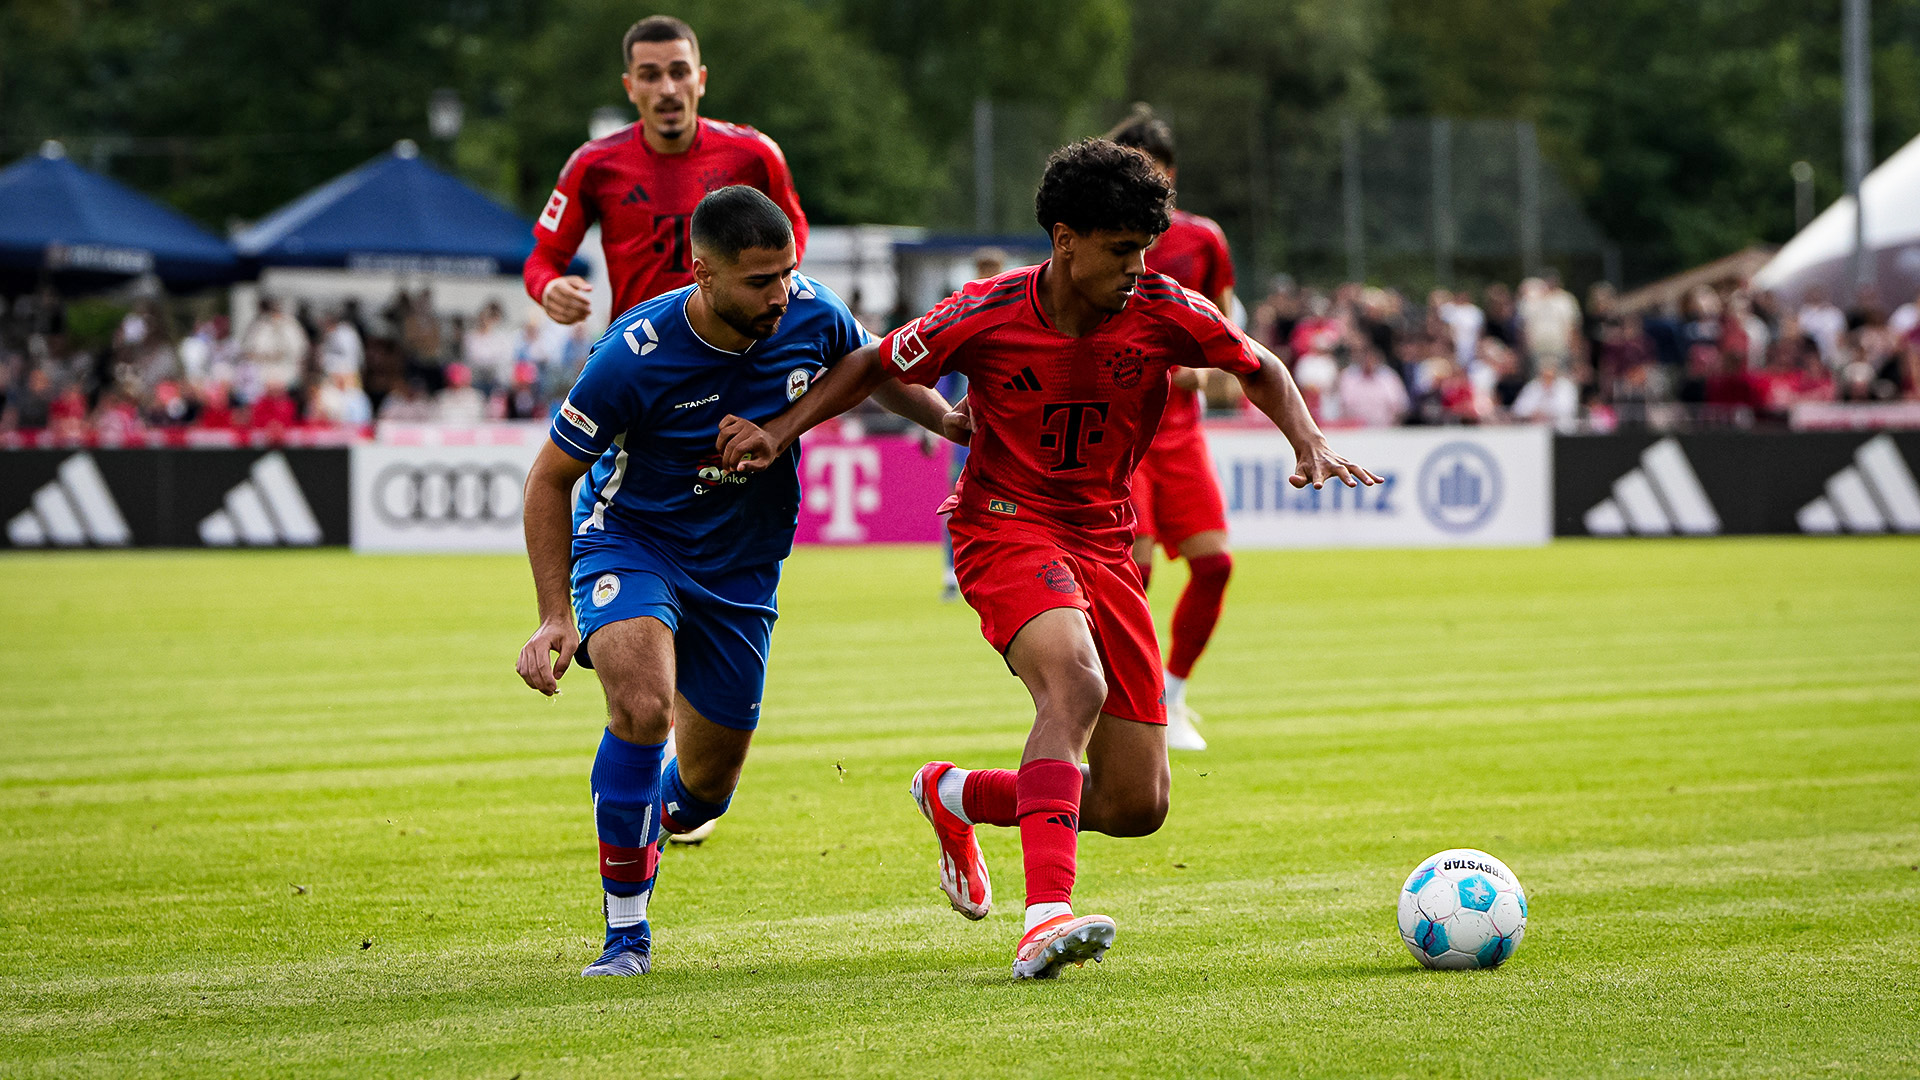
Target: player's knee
[
  {"x": 1212, "y": 569},
  {"x": 1141, "y": 815},
  {"x": 1077, "y": 692},
  {"x": 640, "y": 714}
]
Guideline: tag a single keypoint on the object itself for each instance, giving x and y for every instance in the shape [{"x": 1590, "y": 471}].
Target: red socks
[
  {"x": 1198, "y": 611},
  {"x": 1049, "y": 813},
  {"x": 989, "y": 798}
]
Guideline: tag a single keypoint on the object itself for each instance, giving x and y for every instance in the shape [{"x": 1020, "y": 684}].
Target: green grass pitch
[{"x": 292, "y": 815}]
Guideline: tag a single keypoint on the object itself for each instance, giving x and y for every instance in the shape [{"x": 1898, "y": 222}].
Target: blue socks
[
  {"x": 684, "y": 812},
  {"x": 626, "y": 814}
]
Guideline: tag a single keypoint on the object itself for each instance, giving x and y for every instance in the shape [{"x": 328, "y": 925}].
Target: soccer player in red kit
[
  {"x": 1069, "y": 364},
  {"x": 1176, "y": 493},
  {"x": 642, "y": 182}
]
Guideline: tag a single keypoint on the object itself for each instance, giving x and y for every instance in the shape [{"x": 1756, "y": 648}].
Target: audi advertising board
[
  {"x": 1443, "y": 487},
  {"x": 439, "y": 497}
]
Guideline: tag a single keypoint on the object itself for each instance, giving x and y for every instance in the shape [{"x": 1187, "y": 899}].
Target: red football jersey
[
  {"x": 1193, "y": 252},
  {"x": 644, "y": 202},
  {"x": 1060, "y": 422}
]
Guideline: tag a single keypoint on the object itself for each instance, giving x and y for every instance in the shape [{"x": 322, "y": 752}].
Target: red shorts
[
  {"x": 1012, "y": 571},
  {"x": 1176, "y": 495}
]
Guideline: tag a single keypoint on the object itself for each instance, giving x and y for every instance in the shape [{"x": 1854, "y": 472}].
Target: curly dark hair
[{"x": 1097, "y": 184}]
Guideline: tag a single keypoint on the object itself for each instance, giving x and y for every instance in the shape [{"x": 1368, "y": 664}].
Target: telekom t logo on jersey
[
  {"x": 843, "y": 483},
  {"x": 1074, "y": 431}
]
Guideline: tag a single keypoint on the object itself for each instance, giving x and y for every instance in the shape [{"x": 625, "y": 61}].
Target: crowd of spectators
[
  {"x": 1367, "y": 356},
  {"x": 291, "y": 368},
  {"x": 1363, "y": 356}
]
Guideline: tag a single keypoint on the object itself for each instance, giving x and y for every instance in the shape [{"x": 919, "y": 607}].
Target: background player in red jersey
[
  {"x": 1176, "y": 493},
  {"x": 642, "y": 182},
  {"x": 1069, "y": 364}
]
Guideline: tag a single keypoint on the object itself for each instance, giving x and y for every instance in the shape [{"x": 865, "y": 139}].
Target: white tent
[{"x": 1820, "y": 256}]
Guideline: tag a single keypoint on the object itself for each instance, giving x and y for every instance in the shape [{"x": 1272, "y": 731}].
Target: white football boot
[{"x": 1062, "y": 940}]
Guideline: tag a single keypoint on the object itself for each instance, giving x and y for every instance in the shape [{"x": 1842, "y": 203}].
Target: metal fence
[{"x": 1408, "y": 202}]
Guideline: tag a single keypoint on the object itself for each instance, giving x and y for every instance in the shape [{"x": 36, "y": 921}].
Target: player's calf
[{"x": 626, "y": 794}]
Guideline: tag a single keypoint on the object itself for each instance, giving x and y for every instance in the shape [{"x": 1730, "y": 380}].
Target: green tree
[{"x": 835, "y": 106}]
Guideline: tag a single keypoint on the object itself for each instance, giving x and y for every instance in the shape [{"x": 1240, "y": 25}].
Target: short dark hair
[
  {"x": 736, "y": 217},
  {"x": 657, "y": 28},
  {"x": 1098, "y": 184},
  {"x": 1144, "y": 131}
]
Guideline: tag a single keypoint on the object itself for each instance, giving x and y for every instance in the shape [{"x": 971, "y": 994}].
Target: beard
[{"x": 756, "y": 325}]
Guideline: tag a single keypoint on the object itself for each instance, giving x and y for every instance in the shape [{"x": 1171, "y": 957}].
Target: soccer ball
[{"x": 1462, "y": 909}]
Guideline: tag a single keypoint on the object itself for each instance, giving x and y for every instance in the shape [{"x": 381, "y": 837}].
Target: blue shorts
[{"x": 722, "y": 627}]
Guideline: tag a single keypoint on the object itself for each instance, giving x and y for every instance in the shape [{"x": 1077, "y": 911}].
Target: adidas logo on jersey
[
  {"x": 1026, "y": 380},
  {"x": 71, "y": 510},
  {"x": 265, "y": 509},
  {"x": 637, "y": 195},
  {"x": 1661, "y": 497},
  {"x": 1876, "y": 493}
]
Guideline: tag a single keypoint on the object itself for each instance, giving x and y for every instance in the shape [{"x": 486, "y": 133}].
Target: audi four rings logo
[{"x": 470, "y": 495}]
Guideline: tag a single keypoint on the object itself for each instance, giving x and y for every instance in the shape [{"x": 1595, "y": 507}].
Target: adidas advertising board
[
  {"x": 1443, "y": 487},
  {"x": 1718, "y": 483},
  {"x": 173, "y": 498}
]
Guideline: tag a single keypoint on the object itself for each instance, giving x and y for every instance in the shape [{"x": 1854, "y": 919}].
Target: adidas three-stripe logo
[
  {"x": 1026, "y": 380},
  {"x": 265, "y": 509},
  {"x": 71, "y": 510},
  {"x": 1661, "y": 497},
  {"x": 1876, "y": 493}
]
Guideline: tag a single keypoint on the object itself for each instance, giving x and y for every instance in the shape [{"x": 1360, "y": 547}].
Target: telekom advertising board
[
  {"x": 1444, "y": 487},
  {"x": 880, "y": 489}
]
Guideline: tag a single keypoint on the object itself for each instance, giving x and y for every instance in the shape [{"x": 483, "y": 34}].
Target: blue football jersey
[{"x": 647, "y": 409}]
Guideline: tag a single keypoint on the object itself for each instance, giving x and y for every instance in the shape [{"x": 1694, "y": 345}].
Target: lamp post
[{"x": 445, "y": 116}]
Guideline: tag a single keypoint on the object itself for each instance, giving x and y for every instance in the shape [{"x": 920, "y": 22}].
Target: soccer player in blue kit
[{"x": 668, "y": 563}]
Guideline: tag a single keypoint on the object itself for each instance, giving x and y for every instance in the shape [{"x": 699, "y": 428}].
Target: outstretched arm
[
  {"x": 747, "y": 447},
  {"x": 921, "y": 404},
  {"x": 1271, "y": 389}
]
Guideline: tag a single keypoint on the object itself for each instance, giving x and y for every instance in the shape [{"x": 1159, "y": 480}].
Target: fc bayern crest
[
  {"x": 1126, "y": 367},
  {"x": 1057, "y": 577},
  {"x": 797, "y": 382}
]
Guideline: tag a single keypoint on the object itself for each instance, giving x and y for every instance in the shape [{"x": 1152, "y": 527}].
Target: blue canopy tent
[
  {"x": 83, "y": 230},
  {"x": 396, "y": 213}
]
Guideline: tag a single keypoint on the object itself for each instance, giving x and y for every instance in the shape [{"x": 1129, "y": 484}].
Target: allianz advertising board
[{"x": 1443, "y": 487}]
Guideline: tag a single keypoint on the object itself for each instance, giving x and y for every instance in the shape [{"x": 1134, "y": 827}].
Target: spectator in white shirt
[
  {"x": 276, "y": 346},
  {"x": 460, "y": 403},
  {"x": 1551, "y": 398},
  {"x": 1466, "y": 322},
  {"x": 341, "y": 351},
  {"x": 489, "y": 348},
  {"x": 1549, "y": 321},
  {"x": 1371, "y": 394},
  {"x": 1825, "y": 324}
]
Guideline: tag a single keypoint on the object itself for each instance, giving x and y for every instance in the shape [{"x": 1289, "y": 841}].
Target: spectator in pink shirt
[{"x": 1371, "y": 395}]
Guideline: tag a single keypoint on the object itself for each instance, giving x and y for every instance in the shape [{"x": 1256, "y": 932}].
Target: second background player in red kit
[
  {"x": 642, "y": 182},
  {"x": 1176, "y": 494}
]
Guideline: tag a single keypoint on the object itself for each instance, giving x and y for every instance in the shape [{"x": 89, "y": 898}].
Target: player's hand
[
  {"x": 1317, "y": 464},
  {"x": 567, "y": 300},
  {"x": 745, "y": 447},
  {"x": 1186, "y": 378},
  {"x": 957, "y": 425},
  {"x": 538, "y": 666}
]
